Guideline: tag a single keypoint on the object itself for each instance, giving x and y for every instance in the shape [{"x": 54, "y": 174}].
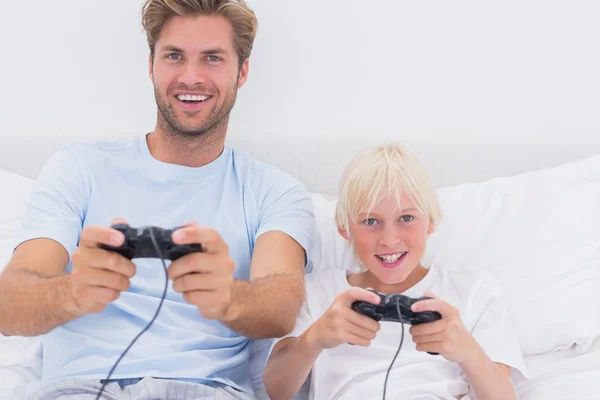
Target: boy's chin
[{"x": 391, "y": 277}]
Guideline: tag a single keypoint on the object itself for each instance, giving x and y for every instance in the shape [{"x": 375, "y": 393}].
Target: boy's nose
[{"x": 390, "y": 238}]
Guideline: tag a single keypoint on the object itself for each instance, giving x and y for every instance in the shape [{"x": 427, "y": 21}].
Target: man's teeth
[
  {"x": 391, "y": 258},
  {"x": 190, "y": 97}
]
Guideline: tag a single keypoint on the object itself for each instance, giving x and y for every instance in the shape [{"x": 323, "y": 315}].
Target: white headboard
[
  {"x": 318, "y": 162},
  {"x": 477, "y": 89}
]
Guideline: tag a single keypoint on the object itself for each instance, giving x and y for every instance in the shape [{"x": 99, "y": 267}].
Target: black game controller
[
  {"x": 138, "y": 243},
  {"x": 387, "y": 310}
]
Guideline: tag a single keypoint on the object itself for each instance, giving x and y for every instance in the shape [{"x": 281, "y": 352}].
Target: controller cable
[
  {"x": 162, "y": 259},
  {"x": 399, "y": 347}
]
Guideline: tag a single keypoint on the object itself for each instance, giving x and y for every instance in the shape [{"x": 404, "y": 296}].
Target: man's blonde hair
[
  {"x": 379, "y": 172},
  {"x": 155, "y": 13}
]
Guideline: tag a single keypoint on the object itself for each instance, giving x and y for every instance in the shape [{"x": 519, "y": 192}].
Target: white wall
[{"x": 476, "y": 79}]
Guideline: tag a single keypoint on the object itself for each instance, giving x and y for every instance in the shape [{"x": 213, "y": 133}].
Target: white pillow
[
  {"x": 538, "y": 233},
  {"x": 15, "y": 191},
  {"x": 20, "y": 358}
]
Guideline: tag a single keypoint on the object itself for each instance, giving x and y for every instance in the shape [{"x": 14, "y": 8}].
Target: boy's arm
[
  {"x": 449, "y": 337},
  {"x": 288, "y": 367},
  {"x": 488, "y": 380}
]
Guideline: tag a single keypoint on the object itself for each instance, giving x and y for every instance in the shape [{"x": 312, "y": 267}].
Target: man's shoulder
[{"x": 89, "y": 151}]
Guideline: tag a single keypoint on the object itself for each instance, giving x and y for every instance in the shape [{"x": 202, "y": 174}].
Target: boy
[{"x": 387, "y": 208}]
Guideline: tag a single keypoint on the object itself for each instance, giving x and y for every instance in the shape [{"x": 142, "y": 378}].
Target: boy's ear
[
  {"x": 431, "y": 227},
  {"x": 344, "y": 234}
]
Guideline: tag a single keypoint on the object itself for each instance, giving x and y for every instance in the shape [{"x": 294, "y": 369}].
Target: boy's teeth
[{"x": 391, "y": 258}]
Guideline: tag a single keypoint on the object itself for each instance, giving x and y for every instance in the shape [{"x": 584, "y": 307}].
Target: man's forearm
[
  {"x": 266, "y": 307},
  {"x": 487, "y": 380},
  {"x": 32, "y": 305}
]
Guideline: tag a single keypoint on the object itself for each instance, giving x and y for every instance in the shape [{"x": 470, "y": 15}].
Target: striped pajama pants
[{"x": 136, "y": 389}]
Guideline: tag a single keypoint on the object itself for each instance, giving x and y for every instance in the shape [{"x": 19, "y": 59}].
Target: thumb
[
  {"x": 357, "y": 293},
  {"x": 118, "y": 221}
]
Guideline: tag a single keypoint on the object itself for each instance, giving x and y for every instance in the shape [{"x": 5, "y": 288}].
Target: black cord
[
  {"x": 162, "y": 258},
  {"x": 399, "y": 347}
]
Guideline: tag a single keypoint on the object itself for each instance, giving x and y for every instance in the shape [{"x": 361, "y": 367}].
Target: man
[{"x": 254, "y": 222}]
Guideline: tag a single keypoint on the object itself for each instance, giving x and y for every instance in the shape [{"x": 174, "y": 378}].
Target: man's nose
[{"x": 193, "y": 74}]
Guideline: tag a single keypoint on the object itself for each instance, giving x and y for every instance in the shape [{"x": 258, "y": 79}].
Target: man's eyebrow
[
  {"x": 212, "y": 50},
  {"x": 170, "y": 47}
]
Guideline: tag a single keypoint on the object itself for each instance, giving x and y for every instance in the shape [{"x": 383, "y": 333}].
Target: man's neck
[{"x": 187, "y": 151}]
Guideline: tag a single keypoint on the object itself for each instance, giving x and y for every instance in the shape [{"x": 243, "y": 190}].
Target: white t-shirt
[{"x": 356, "y": 372}]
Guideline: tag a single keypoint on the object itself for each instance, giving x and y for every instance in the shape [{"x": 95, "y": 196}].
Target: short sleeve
[
  {"x": 57, "y": 205},
  {"x": 494, "y": 329},
  {"x": 286, "y": 206}
]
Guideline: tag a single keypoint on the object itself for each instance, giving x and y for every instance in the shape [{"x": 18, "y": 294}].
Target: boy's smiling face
[{"x": 390, "y": 240}]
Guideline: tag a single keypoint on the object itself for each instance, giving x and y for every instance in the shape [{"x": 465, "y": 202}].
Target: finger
[
  {"x": 204, "y": 298},
  {"x": 362, "y": 320},
  {"x": 210, "y": 239},
  {"x": 433, "y": 338},
  {"x": 359, "y": 294},
  {"x": 432, "y": 347},
  {"x": 434, "y": 304},
  {"x": 102, "y": 278},
  {"x": 201, "y": 263},
  {"x": 116, "y": 221},
  {"x": 93, "y": 235},
  {"x": 104, "y": 259},
  {"x": 355, "y": 340},
  {"x": 359, "y": 331},
  {"x": 96, "y": 294},
  {"x": 203, "y": 282},
  {"x": 429, "y": 328}
]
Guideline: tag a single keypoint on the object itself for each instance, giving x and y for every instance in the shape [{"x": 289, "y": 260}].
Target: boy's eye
[
  {"x": 370, "y": 221},
  {"x": 406, "y": 218}
]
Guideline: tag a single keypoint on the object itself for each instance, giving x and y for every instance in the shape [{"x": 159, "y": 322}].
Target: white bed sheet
[{"x": 563, "y": 375}]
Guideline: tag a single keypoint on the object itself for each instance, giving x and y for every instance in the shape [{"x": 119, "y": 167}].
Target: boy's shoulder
[
  {"x": 464, "y": 277},
  {"x": 326, "y": 278}
]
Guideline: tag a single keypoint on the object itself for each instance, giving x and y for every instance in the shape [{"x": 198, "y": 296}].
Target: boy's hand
[
  {"x": 341, "y": 324},
  {"x": 447, "y": 336}
]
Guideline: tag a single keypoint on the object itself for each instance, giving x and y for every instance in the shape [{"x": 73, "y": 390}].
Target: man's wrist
[
  {"x": 233, "y": 311},
  {"x": 69, "y": 304}
]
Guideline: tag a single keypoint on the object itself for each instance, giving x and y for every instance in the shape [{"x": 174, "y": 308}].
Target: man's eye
[
  {"x": 213, "y": 58},
  {"x": 174, "y": 56}
]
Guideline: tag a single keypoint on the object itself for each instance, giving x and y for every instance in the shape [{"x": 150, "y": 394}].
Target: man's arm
[
  {"x": 35, "y": 293},
  {"x": 268, "y": 304},
  {"x": 264, "y": 307}
]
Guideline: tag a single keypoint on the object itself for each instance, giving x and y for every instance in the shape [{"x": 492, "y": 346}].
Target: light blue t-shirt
[{"x": 92, "y": 183}]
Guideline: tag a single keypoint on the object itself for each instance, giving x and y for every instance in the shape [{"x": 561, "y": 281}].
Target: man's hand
[
  {"x": 447, "y": 336},
  {"x": 205, "y": 279},
  {"x": 99, "y": 276},
  {"x": 341, "y": 324}
]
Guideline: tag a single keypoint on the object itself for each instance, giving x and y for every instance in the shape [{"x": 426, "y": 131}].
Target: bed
[{"x": 531, "y": 217}]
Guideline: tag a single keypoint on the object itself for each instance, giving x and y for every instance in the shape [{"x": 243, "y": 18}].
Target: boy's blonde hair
[{"x": 386, "y": 170}]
